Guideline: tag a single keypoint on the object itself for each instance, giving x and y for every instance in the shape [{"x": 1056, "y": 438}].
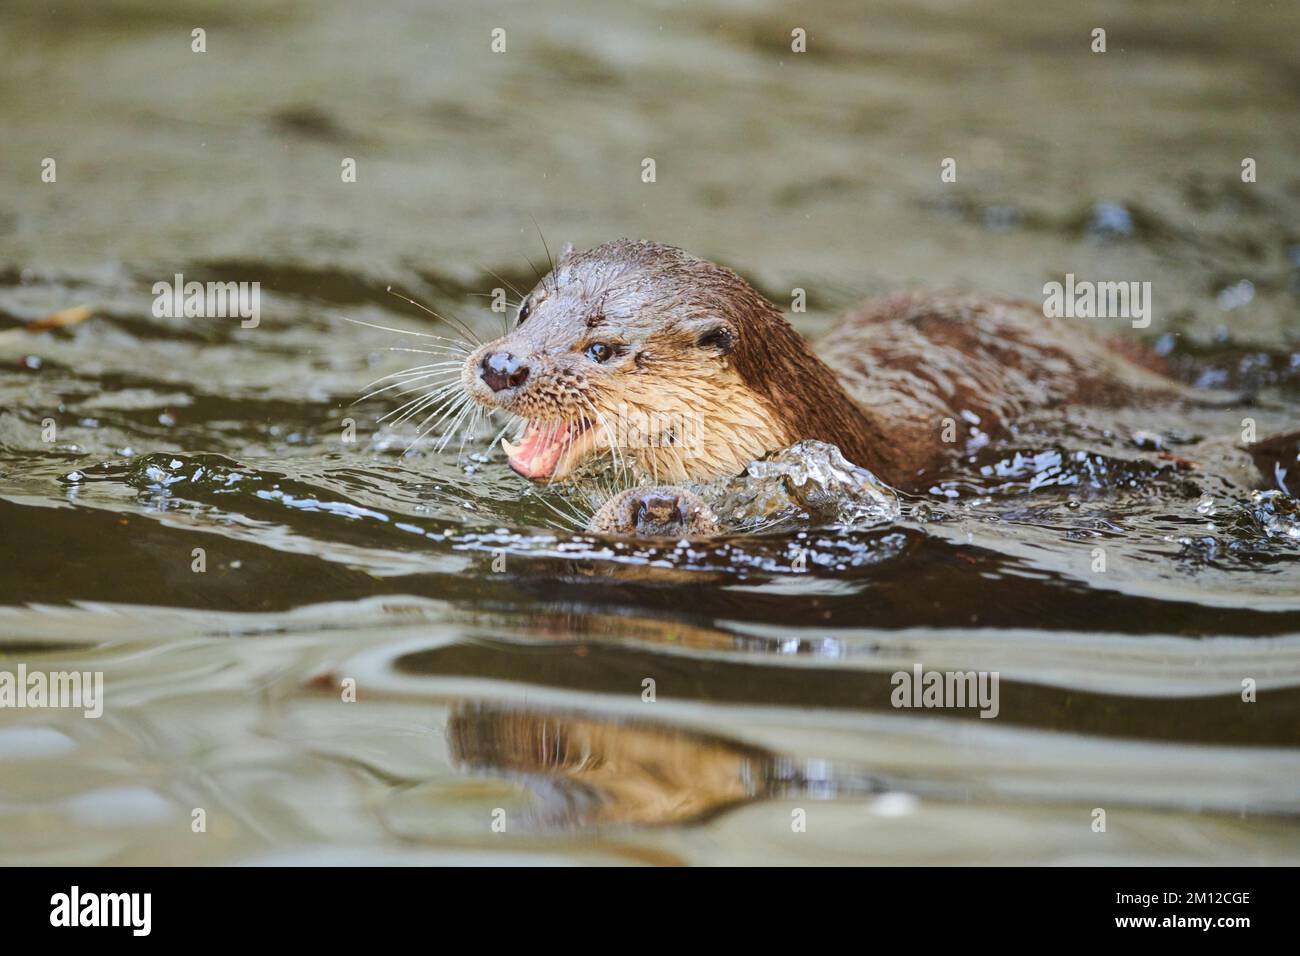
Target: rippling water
[{"x": 498, "y": 658}]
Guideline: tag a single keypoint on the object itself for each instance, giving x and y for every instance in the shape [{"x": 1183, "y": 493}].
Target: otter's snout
[{"x": 502, "y": 370}]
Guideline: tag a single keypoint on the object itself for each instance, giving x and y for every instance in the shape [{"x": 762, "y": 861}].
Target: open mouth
[{"x": 543, "y": 446}]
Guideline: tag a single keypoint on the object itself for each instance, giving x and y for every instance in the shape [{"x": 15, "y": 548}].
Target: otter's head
[{"x": 642, "y": 352}]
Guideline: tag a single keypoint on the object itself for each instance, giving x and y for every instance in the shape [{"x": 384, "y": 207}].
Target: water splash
[{"x": 810, "y": 482}]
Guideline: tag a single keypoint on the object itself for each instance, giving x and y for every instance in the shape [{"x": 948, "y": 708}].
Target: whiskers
[
  {"x": 519, "y": 296},
  {"x": 574, "y": 515},
  {"x": 550, "y": 261},
  {"x": 440, "y": 403},
  {"x": 510, "y": 306},
  {"x": 453, "y": 321},
  {"x": 434, "y": 399}
]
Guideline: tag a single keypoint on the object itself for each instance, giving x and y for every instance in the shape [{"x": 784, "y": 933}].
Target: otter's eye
[
  {"x": 719, "y": 338},
  {"x": 524, "y": 308},
  {"x": 599, "y": 352}
]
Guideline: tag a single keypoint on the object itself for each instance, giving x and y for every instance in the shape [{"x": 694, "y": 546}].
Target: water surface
[{"x": 499, "y": 657}]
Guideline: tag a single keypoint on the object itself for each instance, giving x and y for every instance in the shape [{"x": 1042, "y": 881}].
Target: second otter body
[{"x": 644, "y": 339}]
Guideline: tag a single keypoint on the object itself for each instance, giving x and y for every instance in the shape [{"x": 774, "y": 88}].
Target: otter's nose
[{"x": 502, "y": 370}]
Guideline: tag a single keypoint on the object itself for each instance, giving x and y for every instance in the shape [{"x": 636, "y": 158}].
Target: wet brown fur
[
  {"x": 895, "y": 372},
  {"x": 915, "y": 361}
]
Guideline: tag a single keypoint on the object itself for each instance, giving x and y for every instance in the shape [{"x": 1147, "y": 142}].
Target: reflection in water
[
  {"x": 586, "y": 771},
  {"x": 589, "y": 771}
]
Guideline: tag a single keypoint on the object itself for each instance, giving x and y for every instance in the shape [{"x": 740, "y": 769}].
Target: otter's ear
[
  {"x": 716, "y": 337},
  {"x": 566, "y": 252}
]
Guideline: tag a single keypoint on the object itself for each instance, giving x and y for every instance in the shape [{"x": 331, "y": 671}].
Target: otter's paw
[{"x": 662, "y": 512}]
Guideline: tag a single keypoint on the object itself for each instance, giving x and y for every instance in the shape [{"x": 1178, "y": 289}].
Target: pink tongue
[{"x": 538, "y": 452}]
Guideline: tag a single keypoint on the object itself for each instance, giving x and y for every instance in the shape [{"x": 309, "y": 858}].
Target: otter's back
[{"x": 911, "y": 361}]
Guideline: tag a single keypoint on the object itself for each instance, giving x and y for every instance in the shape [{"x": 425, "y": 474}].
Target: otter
[{"x": 679, "y": 369}]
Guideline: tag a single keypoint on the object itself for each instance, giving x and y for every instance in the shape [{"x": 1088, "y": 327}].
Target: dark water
[{"x": 499, "y": 659}]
